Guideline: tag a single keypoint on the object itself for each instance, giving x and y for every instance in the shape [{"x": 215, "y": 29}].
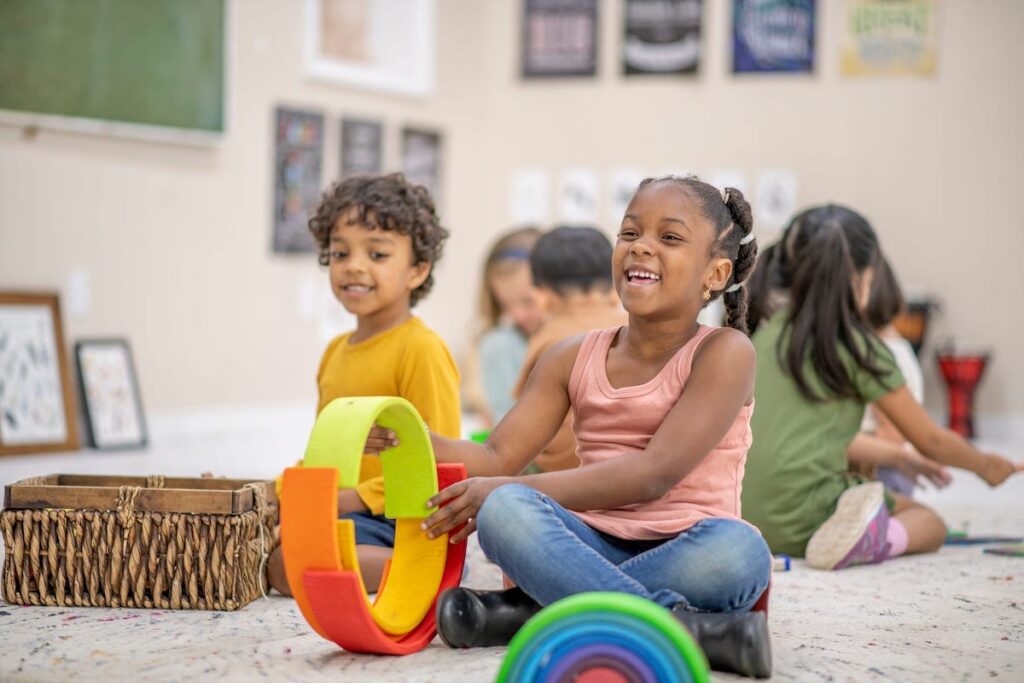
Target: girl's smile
[
  {"x": 664, "y": 240},
  {"x": 641, "y": 277}
]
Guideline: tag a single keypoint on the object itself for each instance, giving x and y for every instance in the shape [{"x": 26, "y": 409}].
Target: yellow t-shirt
[{"x": 410, "y": 361}]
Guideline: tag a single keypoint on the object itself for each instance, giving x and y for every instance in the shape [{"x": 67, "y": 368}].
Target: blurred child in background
[
  {"x": 572, "y": 268},
  {"x": 819, "y": 363},
  {"x": 511, "y": 310},
  {"x": 878, "y": 435}
]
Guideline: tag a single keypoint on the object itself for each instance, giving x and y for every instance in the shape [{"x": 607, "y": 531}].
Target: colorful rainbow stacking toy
[
  {"x": 320, "y": 551},
  {"x": 603, "y": 638}
]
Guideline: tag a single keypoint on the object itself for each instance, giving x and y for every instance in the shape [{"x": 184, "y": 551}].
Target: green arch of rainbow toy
[
  {"x": 603, "y": 637},
  {"x": 320, "y": 550}
]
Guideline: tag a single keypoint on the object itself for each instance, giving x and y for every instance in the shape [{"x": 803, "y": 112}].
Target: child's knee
[
  {"x": 495, "y": 521},
  {"x": 502, "y": 503},
  {"x": 741, "y": 559},
  {"x": 937, "y": 529}
]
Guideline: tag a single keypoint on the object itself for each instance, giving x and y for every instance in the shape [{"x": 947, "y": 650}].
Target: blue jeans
[
  {"x": 372, "y": 529},
  {"x": 717, "y": 565}
]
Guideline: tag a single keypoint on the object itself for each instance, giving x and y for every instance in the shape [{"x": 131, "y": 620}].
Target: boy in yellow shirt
[{"x": 380, "y": 237}]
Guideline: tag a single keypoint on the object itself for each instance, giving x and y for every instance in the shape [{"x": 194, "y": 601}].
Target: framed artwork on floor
[
  {"x": 37, "y": 409},
  {"x": 110, "y": 394}
]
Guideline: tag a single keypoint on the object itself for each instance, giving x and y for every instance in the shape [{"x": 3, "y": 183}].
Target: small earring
[{"x": 707, "y": 294}]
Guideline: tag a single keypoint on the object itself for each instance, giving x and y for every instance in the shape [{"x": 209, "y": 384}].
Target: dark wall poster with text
[
  {"x": 362, "y": 147},
  {"x": 559, "y": 38},
  {"x": 662, "y": 37},
  {"x": 772, "y": 36},
  {"x": 421, "y": 160},
  {"x": 298, "y": 158}
]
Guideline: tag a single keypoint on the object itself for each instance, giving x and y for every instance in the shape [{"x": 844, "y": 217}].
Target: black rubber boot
[
  {"x": 469, "y": 618},
  {"x": 735, "y": 643}
]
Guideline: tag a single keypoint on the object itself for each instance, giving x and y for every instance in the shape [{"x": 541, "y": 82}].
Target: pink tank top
[{"x": 611, "y": 422}]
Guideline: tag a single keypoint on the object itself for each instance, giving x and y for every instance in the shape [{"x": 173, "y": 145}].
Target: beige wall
[{"x": 175, "y": 239}]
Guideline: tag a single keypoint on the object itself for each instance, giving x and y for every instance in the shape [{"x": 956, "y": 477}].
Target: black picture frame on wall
[
  {"x": 362, "y": 147},
  {"x": 422, "y": 149},
  {"x": 109, "y": 389},
  {"x": 559, "y": 38},
  {"x": 298, "y": 167},
  {"x": 662, "y": 37}
]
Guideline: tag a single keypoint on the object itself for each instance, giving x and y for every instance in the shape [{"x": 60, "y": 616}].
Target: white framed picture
[{"x": 377, "y": 44}]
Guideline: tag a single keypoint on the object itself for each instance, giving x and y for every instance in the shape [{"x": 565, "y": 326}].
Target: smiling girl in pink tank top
[
  {"x": 611, "y": 422},
  {"x": 661, "y": 413}
]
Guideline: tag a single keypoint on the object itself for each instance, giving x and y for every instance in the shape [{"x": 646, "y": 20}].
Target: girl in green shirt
[{"x": 819, "y": 365}]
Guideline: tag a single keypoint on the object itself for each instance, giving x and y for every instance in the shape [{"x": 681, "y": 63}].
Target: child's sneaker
[{"x": 856, "y": 531}]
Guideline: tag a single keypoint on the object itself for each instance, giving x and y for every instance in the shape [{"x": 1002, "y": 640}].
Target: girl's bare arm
[
  {"x": 939, "y": 444},
  {"x": 528, "y": 427},
  {"x": 720, "y": 384}
]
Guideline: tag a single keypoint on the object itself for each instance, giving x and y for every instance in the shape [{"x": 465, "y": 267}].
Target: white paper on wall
[
  {"x": 622, "y": 184},
  {"x": 529, "y": 197},
  {"x": 775, "y": 198},
  {"x": 578, "y": 195},
  {"x": 729, "y": 177}
]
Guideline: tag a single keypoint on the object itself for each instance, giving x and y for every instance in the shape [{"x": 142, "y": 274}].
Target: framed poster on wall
[
  {"x": 298, "y": 160},
  {"x": 890, "y": 38},
  {"x": 362, "y": 147},
  {"x": 559, "y": 38},
  {"x": 421, "y": 159},
  {"x": 662, "y": 37},
  {"x": 773, "y": 36}
]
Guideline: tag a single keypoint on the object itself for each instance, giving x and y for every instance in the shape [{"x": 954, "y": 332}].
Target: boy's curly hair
[{"x": 387, "y": 202}]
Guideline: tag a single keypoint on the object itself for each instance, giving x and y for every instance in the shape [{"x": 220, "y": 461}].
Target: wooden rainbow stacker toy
[{"x": 320, "y": 550}]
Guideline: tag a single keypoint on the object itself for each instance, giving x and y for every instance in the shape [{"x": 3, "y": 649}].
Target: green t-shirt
[{"x": 797, "y": 467}]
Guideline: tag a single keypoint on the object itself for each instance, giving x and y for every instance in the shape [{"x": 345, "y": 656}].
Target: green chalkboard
[{"x": 149, "y": 62}]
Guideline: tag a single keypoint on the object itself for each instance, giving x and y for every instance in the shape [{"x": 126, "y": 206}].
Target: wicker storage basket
[{"x": 154, "y": 542}]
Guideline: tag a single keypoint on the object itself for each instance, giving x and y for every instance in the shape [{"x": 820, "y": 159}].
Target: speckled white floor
[{"x": 957, "y": 615}]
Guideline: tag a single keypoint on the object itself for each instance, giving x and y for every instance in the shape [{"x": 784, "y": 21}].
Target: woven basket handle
[
  {"x": 259, "y": 498},
  {"x": 126, "y": 497}
]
